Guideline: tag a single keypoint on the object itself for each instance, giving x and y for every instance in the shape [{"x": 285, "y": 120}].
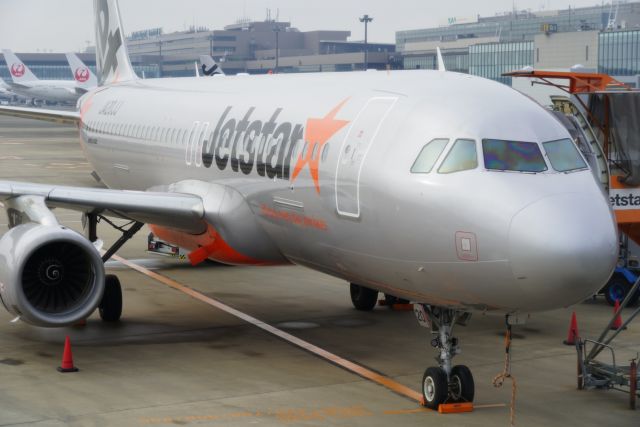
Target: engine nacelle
[{"x": 49, "y": 275}]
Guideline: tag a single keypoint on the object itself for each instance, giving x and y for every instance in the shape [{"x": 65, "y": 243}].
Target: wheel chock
[
  {"x": 455, "y": 408},
  {"x": 396, "y": 306}
]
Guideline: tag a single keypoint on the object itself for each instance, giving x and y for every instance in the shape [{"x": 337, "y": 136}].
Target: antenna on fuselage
[{"x": 441, "y": 66}]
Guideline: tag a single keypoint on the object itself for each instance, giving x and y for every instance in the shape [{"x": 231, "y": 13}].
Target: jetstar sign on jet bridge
[{"x": 455, "y": 192}]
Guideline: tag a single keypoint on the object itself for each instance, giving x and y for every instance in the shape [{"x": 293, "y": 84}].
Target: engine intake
[{"x": 49, "y": 275}]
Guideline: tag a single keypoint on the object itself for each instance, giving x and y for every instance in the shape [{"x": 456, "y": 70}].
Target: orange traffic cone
[
  {"x": 573, "y": 331},
  {"x": 617, "y": 323},
  {"x": 67, "y": 358}
]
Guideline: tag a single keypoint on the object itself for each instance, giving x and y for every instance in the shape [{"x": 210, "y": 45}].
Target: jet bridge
[
  {"x": 602, "y": 114},
  {"x": 603, "y": 117}
]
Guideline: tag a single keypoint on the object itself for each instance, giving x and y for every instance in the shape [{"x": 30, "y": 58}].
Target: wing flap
[
  {"x": 56, "y": 116},
  {"x": 174, "y": 210}
]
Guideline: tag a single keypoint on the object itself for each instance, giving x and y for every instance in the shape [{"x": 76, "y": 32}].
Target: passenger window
[
  {"x": 462, "y": 156},
  {"x": 512, "y": 156},
  {"x": 325, "y": 152},
  {"x": 563, "y": 155},
  {"x": 428, "y": 156}
]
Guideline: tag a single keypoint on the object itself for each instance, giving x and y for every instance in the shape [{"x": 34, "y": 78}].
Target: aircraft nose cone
[{"x": 562, "y": 249}]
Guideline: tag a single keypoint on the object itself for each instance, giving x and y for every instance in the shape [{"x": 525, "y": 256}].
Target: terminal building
[
  {"x": 603, "y": 38},
  {"x": 258, "y": 47},
  {"x": 244, "y": 47},
  {"x": 54, "y": 66}
]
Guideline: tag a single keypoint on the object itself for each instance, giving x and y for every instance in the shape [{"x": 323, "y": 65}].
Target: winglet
[
  {"x": 112, "y": 58},
  {"x": 19, "y": 71},
  {"x": 441, "y": 66}
]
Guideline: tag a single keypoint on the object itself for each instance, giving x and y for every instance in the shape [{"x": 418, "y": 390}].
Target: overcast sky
[{"x": 67, "y": 25}]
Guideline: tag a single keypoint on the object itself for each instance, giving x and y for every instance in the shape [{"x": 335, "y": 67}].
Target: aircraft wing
[
  {"x": 57, "y": 116},
  {"x": 175, "y": 210}
]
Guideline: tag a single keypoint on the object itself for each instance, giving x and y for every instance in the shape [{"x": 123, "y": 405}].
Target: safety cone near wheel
[
  {"x": 573, "y": 331},
  {"x": 617, "y": 323},
  {"x": 67, "y": 358}
]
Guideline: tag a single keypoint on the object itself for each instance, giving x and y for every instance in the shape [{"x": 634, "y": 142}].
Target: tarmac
[{"x": 174, "y": 360}]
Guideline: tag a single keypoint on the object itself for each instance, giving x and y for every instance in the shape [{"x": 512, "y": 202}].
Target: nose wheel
[{"x": 444, "y": 384}]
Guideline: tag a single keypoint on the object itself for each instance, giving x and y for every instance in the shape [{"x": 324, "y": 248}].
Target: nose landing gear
[{"x": 444, "y": 384}]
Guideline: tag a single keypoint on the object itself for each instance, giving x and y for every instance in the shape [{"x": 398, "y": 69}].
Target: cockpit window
[
  {"x": 512, "y": 156},
  {"x": 462, "y": 156},
  {"x": 428, "y": 156},
  {"x": 563, "y": 155}
]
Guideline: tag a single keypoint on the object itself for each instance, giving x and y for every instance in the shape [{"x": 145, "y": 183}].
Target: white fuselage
[
  {"x": 49, "y": 90},
  {"x": 324, "y": 163}
]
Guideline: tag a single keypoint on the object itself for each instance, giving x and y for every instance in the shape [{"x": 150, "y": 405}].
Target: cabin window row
[
  {"x": 128, "y": 130},
  {"x": 498, "y": 155}
]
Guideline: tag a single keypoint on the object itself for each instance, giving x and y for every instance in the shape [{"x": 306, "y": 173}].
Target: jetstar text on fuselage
[{"x": 245, "y": 145}]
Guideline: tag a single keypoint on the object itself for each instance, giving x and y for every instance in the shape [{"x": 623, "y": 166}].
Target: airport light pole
[
  {"x": 160, "y": 55},
  {"x": 276, "y": 29},
  {"x": 366, "y": 19}
]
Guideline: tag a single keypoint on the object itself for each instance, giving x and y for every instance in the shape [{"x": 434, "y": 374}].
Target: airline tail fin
[
  {"x": 20, "y": 73},
  {"x": 441, "y": 66},
  {"x": 112, "y": 58},
  {"x": 82, "y": 74},
  {"x": 209, "y": 67}
]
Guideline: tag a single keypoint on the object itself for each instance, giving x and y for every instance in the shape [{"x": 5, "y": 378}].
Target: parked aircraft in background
[
  {"x": 449, "y": 190},
  {"x": 83, "y": 76},
  {"x": 5, "y": 90},
  {"x": 209, "y": 66},
  {"x": 25, "y": 83}
]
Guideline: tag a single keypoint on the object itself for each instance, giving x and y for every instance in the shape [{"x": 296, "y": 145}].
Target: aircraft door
[{"x": 354, "y": 149}]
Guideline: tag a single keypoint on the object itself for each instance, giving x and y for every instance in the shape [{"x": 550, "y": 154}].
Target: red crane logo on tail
[
  {"x": 17, "y": 70},
  {"x": 82, "y": 74}
]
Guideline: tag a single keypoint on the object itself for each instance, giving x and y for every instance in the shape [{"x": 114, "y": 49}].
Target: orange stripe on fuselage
[
  {"x": 615, "y": 183},
  {"x": 208, "y": 245}
]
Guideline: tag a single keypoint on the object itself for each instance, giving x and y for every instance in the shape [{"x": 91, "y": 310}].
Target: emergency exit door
[{"x": 355, "y": 147}]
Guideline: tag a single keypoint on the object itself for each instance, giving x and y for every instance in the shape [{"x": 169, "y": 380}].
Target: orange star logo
[{"x": 317, "y": 133}]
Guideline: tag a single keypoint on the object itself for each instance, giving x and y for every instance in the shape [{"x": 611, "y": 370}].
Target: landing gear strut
[
  {"x": 445, "y": 383},
  {"x": 110, "y": 307}
]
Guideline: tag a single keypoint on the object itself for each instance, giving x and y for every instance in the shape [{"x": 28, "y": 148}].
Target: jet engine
[{"x": 49, "y": 275}]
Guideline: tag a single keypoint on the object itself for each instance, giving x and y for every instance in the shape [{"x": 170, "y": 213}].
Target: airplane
[
  {"x": 209, "y": 66},
  {"x": 25, "y": 83},
  {"x": 83, "y": 76},
  {"x": 5, "y": 91},
  {"x": 449, "y": 190}
]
